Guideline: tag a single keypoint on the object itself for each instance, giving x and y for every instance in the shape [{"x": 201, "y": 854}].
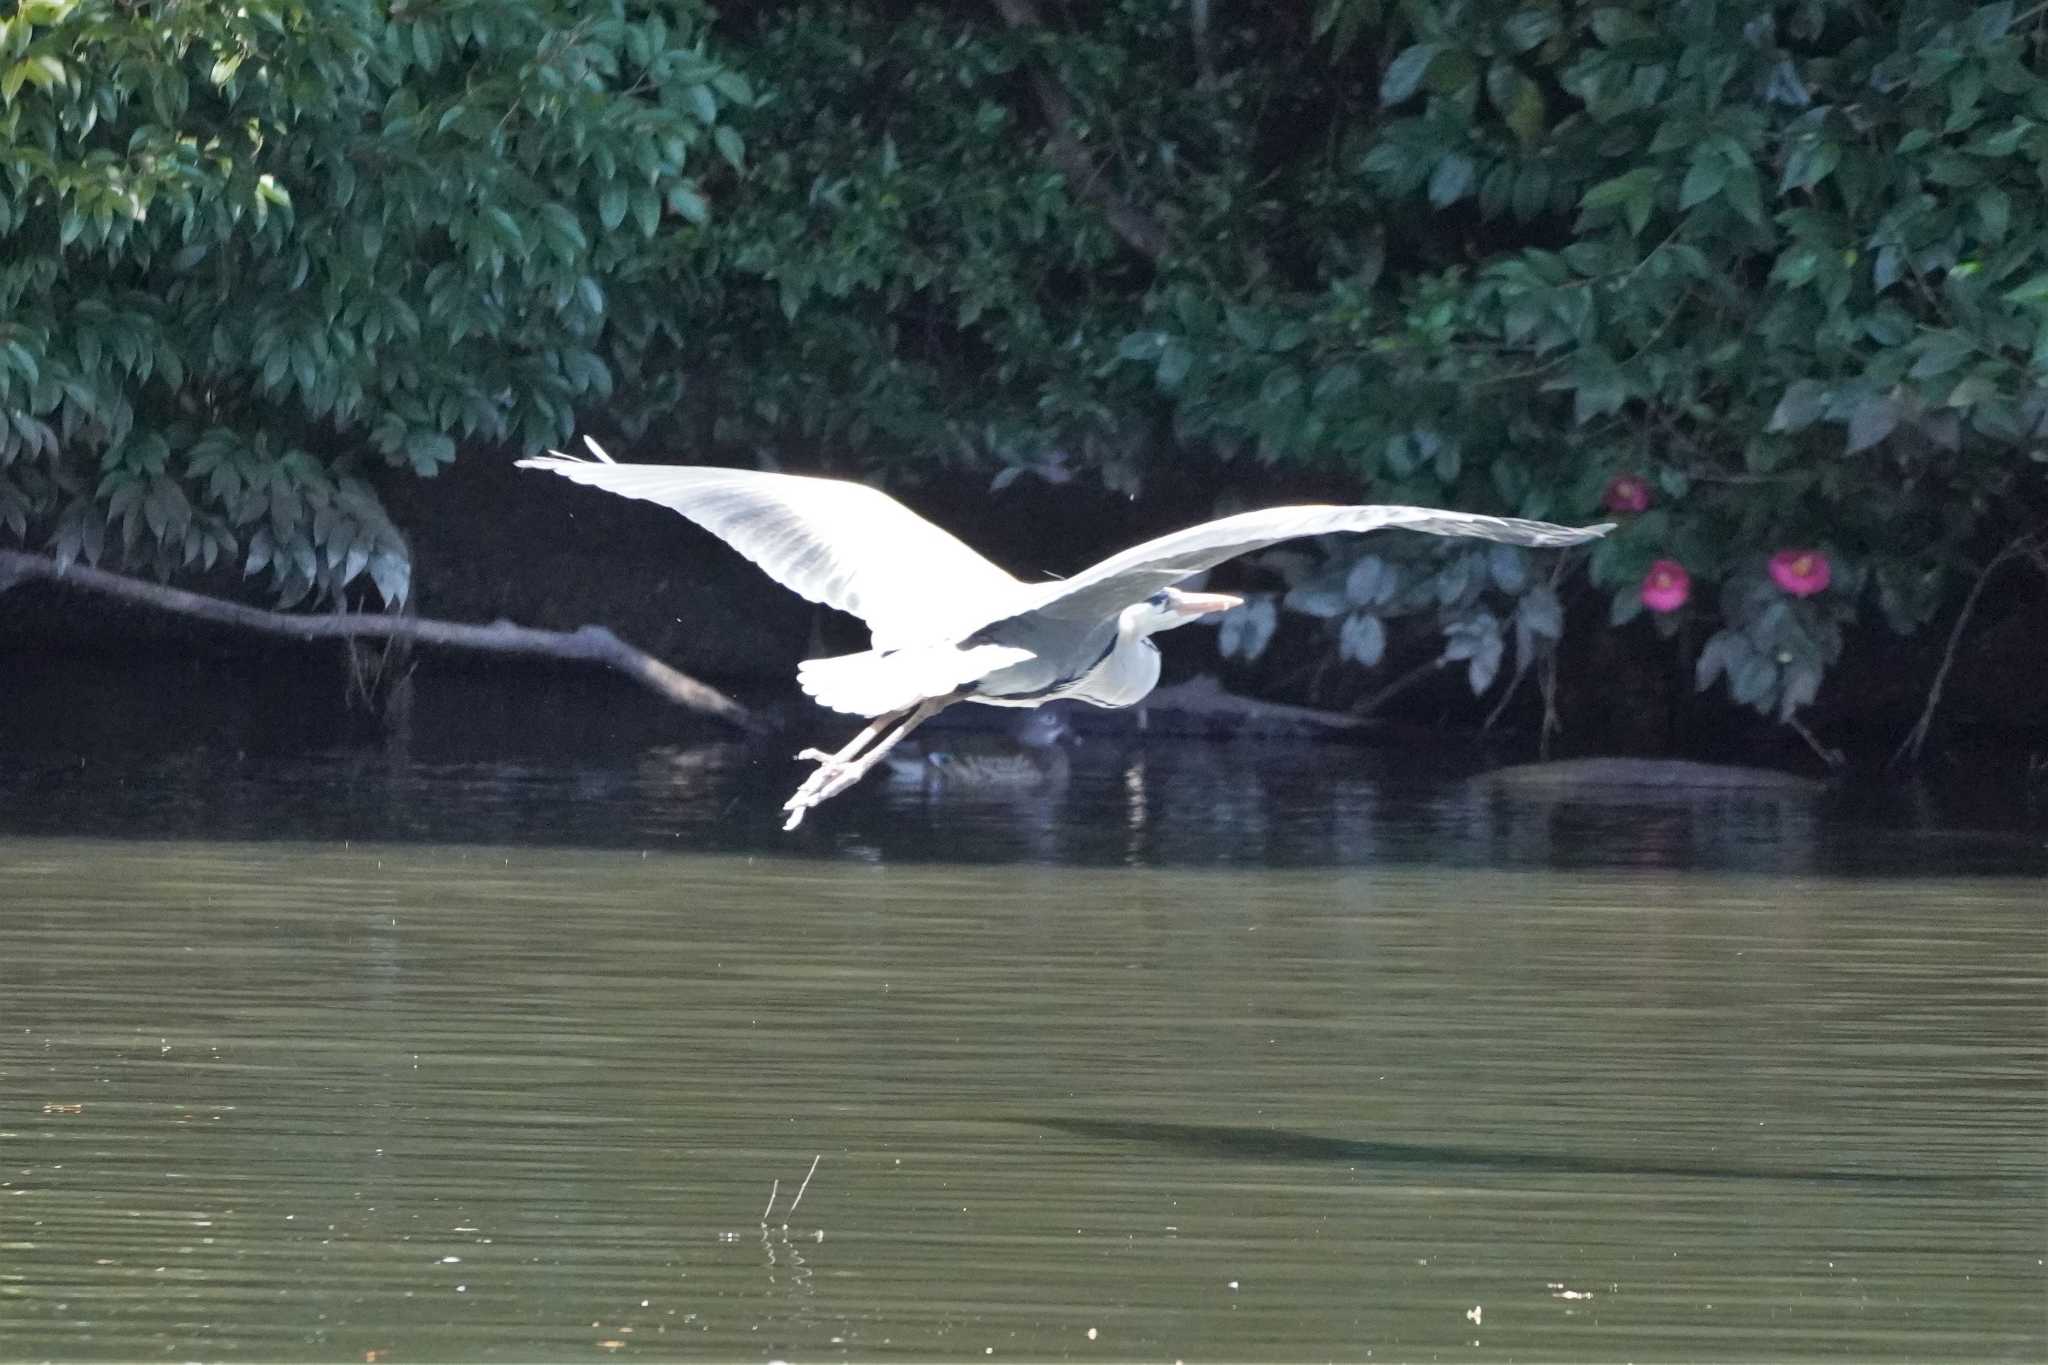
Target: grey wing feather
[
  {"x": 1142, "y": 570},
  {"x": 829, "y": 540}
]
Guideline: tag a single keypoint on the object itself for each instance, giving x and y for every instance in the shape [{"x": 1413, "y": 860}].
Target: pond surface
[{"x": 1201, "y": 1052}]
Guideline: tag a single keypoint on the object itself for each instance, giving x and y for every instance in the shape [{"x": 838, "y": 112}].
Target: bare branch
[
  {"x": 1399, "y": 685},
  {"x": 1205, "y": 52},
  {"x": 1916, "y": 739},
  {"x": 1139, "y": 230},
  {"x": 1833, "y": 758},
  {"x": 587, "y": 644},
  {"x": 1553, "y": 725}
]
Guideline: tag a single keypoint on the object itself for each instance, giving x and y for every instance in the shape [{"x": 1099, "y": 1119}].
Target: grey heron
[{"x": 949, "y": 626}]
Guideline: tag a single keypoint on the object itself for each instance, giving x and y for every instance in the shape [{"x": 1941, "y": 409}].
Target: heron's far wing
[
  {"x": 829, "y": 540},
  {"x": 1142, "y": 570}
]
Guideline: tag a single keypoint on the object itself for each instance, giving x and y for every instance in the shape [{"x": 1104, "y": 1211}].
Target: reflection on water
[
  {"x": 1161, "y": 802},
  {"x": 1283, "y": 1144},
  {"x": 1201, "y": 1051}
]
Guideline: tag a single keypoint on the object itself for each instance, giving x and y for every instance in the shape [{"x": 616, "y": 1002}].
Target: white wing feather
[
  {"x": 878, "y": 681},
  {"x": 829, "y": 540},
  {"x": 1142, "y": 570}
]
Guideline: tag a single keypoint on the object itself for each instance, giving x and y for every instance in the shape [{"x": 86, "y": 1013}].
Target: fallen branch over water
[{"x": 586, "y": 644}]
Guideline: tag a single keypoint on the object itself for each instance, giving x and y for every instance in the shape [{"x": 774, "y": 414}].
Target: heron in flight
[{"x": 947, "y": 625}]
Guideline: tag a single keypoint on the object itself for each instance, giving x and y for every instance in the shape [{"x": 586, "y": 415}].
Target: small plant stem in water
[{"x": 801, "y": 1188}]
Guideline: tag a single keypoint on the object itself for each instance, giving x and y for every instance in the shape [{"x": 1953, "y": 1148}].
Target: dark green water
[{"x": 1209, "y": 1053}]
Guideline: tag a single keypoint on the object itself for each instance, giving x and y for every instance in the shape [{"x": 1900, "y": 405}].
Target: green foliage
[
  {"x": 1793, "y": 274},
  {"x": 1788, "y": 265},
  {"x": 254, "y": 251},
  {"x": 900, "y": 277}
]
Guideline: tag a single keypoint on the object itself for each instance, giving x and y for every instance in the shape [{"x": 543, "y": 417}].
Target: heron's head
[
  {"x": 1171, "y": 607},
  {"x": 1043, "y": 728}
]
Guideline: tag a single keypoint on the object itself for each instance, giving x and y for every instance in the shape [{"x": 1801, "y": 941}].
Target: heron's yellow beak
[{"x": 1193, "y": 604}]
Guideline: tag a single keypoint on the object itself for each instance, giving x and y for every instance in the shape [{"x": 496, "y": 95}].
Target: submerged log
[
  {"x": 1202, "y": 706},
  {"x": 1675, "y": 776},
  {"x": 587, "y": 644}
]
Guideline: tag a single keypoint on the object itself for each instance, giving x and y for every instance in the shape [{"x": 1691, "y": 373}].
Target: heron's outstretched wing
[
  {"x": 1142, "y": 570},
  {"x": 844, "y": 544}
]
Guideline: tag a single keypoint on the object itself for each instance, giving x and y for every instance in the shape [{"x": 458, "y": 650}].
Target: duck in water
[{"x": 1035, "y": 756}]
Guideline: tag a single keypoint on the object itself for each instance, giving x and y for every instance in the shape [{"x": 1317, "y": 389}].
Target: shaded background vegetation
[{"x": 1757, "y": 279}]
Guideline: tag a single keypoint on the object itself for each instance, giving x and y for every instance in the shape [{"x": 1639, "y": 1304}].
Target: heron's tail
[{"x": 878, "y": 681}]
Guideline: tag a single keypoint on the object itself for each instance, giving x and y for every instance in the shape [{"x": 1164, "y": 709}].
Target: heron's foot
[
  {"x": 826, "y": 783},
  {"x": 837, "y": 772},
  {"x": 806, "y": 796},
  {"x": 833, "y": 776}
]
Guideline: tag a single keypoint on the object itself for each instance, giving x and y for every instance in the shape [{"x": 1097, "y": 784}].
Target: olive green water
[{"x": 1669, "y": 1084}]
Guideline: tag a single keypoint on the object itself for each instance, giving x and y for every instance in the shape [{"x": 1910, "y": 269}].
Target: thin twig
[
  {"x": 791, "y": 1211},
  {"x": 1506, "y": 696},
  {"x": 1397, "y": 687},
  {"x": 590, "y": 644},
  {"x": 1832, "y": 757},
  {"x": 1553, "y": 724},
  {"x": 1205, "y": 54},
  {"x": 1910, "y": 747},
  {"x": 773, "y": 1189}
]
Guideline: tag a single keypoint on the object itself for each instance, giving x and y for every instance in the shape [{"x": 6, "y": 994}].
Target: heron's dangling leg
[
  {"x": 828, "y": 764},
  {"x": 859, "y": 741},
  {"x": 836, "y": 772}
]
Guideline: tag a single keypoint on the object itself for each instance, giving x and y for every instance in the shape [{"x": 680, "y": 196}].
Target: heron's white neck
[{"x": 1126, "y": 674}]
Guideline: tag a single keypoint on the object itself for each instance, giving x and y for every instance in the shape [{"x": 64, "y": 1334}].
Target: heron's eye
[{"x": 1157, "y": 600}]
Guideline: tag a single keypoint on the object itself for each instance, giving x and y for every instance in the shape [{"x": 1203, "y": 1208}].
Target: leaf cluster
[
  {"x": 1786, "y": 265},
  {"x": 1790, "y": 267},
  {"x": 257, "y": 252}
]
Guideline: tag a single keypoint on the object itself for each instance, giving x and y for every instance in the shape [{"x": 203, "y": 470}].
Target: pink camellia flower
[
  {"x": 1667, "y": 586},
  {"x": 1801, "y": 572},
  {"x": 1627, "y": 493}
]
